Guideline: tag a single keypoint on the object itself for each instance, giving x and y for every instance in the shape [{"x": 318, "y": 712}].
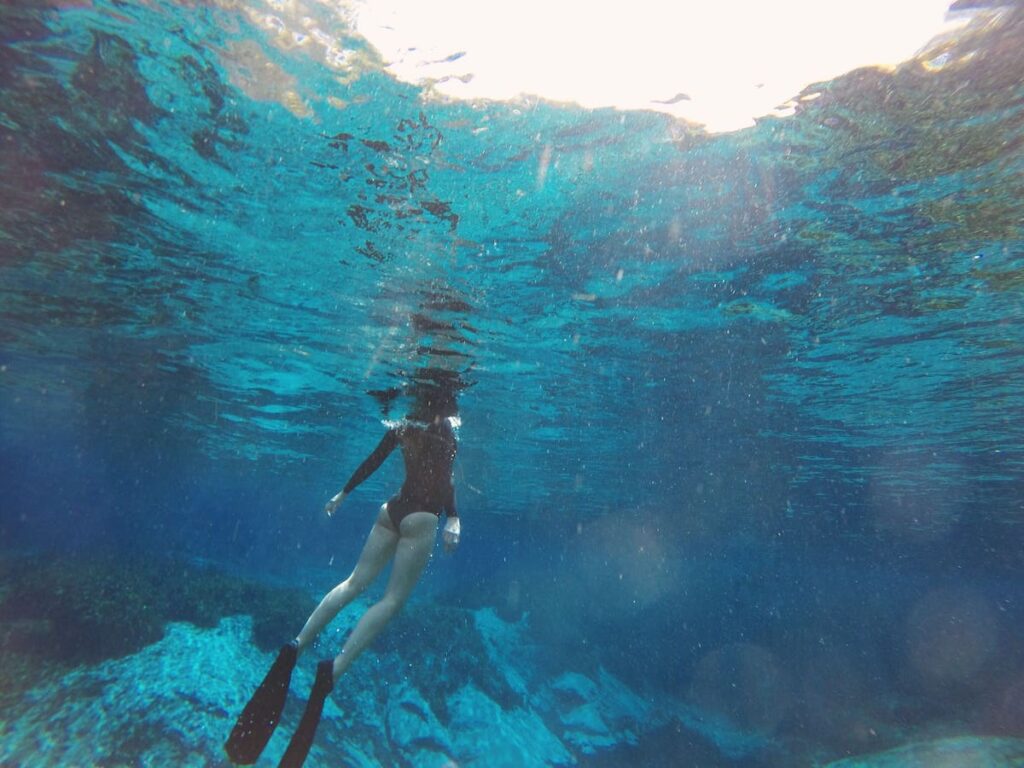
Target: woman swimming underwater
[{"x": 404, "y": 531}]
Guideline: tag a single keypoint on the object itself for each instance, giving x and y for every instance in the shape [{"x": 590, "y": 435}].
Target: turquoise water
[{"x": 742, "y": 439}]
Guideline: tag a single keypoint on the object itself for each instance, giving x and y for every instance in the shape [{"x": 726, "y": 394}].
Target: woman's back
[{"x": 429, "y": 454}]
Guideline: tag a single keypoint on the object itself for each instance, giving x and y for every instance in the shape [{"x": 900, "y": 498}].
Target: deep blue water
[{"x": 724, "y": 398}]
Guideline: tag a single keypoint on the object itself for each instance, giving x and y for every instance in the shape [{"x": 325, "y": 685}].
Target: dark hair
[{"x": 431, "y": 402}]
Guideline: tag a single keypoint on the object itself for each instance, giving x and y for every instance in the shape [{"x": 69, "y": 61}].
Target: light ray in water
[{"x": 697, "y": 61}]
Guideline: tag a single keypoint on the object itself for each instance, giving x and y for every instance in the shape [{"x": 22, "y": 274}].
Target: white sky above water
[{"x": 735, "y": 60}]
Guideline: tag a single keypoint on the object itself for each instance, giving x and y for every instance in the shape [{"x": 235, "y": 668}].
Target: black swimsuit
[{"x": 429, "y": 453}]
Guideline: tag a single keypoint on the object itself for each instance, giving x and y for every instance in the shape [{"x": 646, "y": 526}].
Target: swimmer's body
[{"x": 404, "y": 531}]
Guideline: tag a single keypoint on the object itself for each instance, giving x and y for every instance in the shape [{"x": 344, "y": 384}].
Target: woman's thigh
[
  {"x": 415, "y": 544},
  {"x": 377, "y": 551}
]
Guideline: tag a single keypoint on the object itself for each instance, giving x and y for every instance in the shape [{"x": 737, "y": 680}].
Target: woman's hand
[
  {"x": 334, "y": 503},
  {"x": 451, "y": 533}
]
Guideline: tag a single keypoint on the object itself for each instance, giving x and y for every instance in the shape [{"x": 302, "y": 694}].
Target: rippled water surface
[{"x": 738, "y": 394}]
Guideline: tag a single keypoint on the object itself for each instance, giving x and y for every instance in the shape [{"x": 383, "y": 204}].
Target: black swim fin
[
  {"x": 258, "y": 720},
  {"x": 302, "y": 740}
]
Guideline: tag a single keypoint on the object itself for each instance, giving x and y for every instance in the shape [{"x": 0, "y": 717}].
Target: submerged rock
[
  {"x": 672, "y": 746},
  {"x": 414, "y": 730},
  {"x": 488, "y": 706},
  {"x": 597, "y": 714},
  {"x": 486, "y": 736},
  {"x": 167, "y": 705},
  {"x": 960, "y": 752},
  {"x": 75, "y": 610}
]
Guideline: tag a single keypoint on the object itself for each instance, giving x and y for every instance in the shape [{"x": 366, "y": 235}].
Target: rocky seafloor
[
  {"x": 174, "y": 701},
  {"x": 444, "y": 686}
]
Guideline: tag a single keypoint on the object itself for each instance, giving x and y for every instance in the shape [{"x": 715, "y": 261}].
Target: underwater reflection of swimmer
[{"x": 404, "y": 532}]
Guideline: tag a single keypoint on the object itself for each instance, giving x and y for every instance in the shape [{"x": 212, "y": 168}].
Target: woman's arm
[
  {"x": 331, "y": 506},
  {"x": 367, "y": 468},
  {"x": 452, "y": 532},
  {"x": 452, "y": 528}
]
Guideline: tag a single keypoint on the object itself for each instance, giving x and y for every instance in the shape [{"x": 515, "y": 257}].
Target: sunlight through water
[{"x": 718, "y": 65}]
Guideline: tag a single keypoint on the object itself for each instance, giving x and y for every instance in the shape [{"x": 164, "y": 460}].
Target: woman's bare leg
[
  {"x": 415, "y": 543},
  {"x": 380, "y": 546}
]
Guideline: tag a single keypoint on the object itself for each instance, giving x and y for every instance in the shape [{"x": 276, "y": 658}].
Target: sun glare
[{"x": 717, "y": 64}]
